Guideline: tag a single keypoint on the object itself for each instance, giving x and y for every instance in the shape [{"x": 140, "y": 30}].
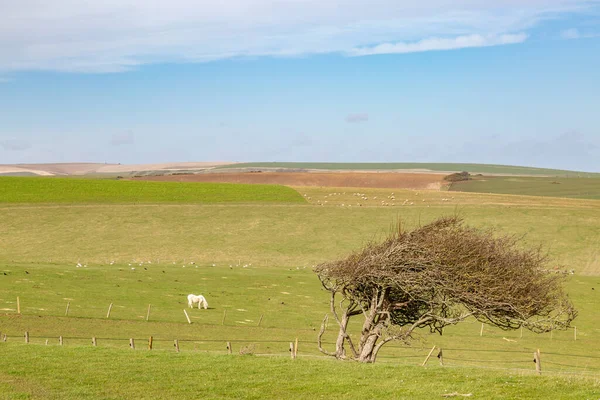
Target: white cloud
[
  {"x": 118, "y": 35},
  {"x": 432, "y": 44}
]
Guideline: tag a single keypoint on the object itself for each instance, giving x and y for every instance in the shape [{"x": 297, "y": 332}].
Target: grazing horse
[{"x": 192, "y": 298}]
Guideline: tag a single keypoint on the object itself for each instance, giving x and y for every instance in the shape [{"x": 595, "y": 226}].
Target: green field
[
  {"x": 289, "y": 304},
  {"x": 282, "y": 235},
  {"x": 578, "y": 188},
  {"x": 65, "y": 190},
  {"x": 440, "y": 167},
  {"x": 113, "y": 374},
  {"x": 253, "y": 261}
]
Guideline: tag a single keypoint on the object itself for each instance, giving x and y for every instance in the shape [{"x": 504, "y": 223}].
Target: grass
[
  {"x": 112, "y": 370},
  {"x": 112, "y": 374},
  {"x": 578, "y": 188},
  {"x": 287, "y": 302},
  {"x": 282, "y": 235},
  {"x": 65, "y": 190},
  {"x": 246, "y": 292},
  {"x": 263, "y": 256},
  {"x": 440, "y": 167}
]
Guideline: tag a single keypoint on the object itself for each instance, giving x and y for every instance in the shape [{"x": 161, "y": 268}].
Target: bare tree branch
[
  {"x": 438, "y": 275},
  {"x": 320, "y": 336}
]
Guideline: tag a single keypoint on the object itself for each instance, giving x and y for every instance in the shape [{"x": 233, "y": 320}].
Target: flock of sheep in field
[{"x": 390, "y": 200}]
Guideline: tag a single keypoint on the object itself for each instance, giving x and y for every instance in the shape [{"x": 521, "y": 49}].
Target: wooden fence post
[
  {"x": 292, "y": 350},
  {"x": 60, "y": 340},
  {"x": 26, "y": 337},
  {"x": 224, "y": 314},
  {"x": 228, "y": 347},
  {"x": 18, "y": 305},
  {"x": 441, "y": 357},
  {"x": 46, "y": 342},
  {"x": 538, "y": 361},
  {"x": 109, "y": 308},
  {"x": 428, "y": 355},
  {"x": 176, "y": 344},
  {"x": 296, "y": 348},
  {"x": 521, "y": 333},
  {"x": 481, "y": 331},
  {"x": 150, "y": 343},
  {"x": 148, "y": 313},
  {"x": 187, "y": 316},
  {"x": 132, "y": 343},
  {"x": 94, "y": 341},
  {"x": 575, "y": 333},
  {"x": 67, "y": 310}
]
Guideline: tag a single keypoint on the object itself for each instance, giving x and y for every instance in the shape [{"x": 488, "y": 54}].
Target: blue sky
[{"x": 134, "y": 81}]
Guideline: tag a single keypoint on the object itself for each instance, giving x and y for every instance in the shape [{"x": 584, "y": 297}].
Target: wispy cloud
[
  {"x": 119, "y": 35},
  {"x": 432, "y": 44},
  {"x": 357, "y": 118},
  {"x": 574, "y": 33},
  {"x": 570, "y": 34},
  {"x": 15, "y": 144}
]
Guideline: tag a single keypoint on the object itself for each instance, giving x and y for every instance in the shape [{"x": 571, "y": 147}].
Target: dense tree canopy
[{"x": 436, "y": 275}]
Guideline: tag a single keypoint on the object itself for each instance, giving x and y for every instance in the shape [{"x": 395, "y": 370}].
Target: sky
[{"x": 141, "y": 81}]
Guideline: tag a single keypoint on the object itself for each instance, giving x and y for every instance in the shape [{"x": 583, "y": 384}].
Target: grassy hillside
[
  {"x": 253, "y": 261},
  {"x": 284, "y": 235},
  {"x": 578, "y": 188},
  {"x": 64, "y": 190},
  {"x": 442, "y": 167}
]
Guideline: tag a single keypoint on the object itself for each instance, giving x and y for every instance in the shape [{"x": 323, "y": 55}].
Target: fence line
[
  {"x": 521, "y": 351},
  {"x": 524, "y": 353},
  {"x": 525, "y": 357},
  {"x": 163, "y": 340},
  {"x": 391, "y": 345},
  {"x": 486, "y": 360},
  {"x": 109, "y": 314},
  {"x": 571, "y": 366},
  {"x": 481, "y": 331}
]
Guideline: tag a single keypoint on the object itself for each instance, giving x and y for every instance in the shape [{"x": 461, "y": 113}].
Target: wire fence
[
  {"x": 121, "y": 311},
  {"x": 522, "y": 361},
  {"x": 521, "y": 358}
]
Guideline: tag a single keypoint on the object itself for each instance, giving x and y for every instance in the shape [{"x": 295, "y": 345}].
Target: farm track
[{"x": 84, "y": 206}]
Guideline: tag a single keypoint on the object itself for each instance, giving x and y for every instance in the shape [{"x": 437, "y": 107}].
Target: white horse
[{"x": 192, "y": 299}]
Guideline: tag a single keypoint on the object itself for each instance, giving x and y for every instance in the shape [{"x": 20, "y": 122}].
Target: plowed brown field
[{"x": 333, "y": 179}]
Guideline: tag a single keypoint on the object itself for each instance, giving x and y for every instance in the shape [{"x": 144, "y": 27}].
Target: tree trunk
[
  {"x": 340, "y": 351},
  {"x": 369, "y": 342},
  {"x": 366, "y": 352}
]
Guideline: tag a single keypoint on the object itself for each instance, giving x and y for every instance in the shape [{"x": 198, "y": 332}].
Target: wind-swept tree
[{"x": 438, "y": 275}]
